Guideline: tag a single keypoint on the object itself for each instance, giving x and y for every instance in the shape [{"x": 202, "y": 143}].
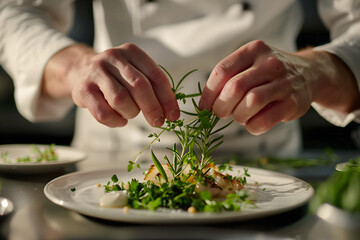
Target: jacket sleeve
[
  {"x": 343, "y": 21},
  {"x": 32, "y": 31}
]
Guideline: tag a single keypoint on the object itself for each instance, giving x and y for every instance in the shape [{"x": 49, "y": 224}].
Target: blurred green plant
[
  {"x": 275, "y": 163},
  {"x": 341, "y": 189}
]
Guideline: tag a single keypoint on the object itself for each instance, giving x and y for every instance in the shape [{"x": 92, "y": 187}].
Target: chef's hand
[
  {"x": 261, "y": 86},
  {"x": 114, "y": 85}
]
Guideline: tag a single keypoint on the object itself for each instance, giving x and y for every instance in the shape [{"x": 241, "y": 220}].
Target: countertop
[{"x": 35, "y": 217}]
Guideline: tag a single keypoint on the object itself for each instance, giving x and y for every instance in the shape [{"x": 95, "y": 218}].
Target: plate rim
[{"x": 198, "y": 218}]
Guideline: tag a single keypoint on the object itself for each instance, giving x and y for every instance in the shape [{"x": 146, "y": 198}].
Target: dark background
[{"x": 317, "y": 132}]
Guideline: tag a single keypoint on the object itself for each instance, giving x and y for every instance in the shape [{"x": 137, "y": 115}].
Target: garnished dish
[
  {"x": 37, "y": 158},
  {"x": 190, "y": 180},
  {"x": 183, "y": 187},
  {"x": 38, "y": 155}
]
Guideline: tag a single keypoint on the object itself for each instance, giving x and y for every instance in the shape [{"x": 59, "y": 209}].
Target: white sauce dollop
[
  {"x": 114, "y": 199},
  {"x": 252, "y": 195}
]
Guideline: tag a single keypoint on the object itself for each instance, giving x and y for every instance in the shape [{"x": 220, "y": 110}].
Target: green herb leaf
[{"x": 159, "y": 166}]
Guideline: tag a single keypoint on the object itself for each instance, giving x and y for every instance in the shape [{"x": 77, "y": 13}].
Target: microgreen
[{"x": 46, "y": 155}]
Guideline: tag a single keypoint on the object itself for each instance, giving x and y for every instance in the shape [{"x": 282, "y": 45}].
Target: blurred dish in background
[{"x": 20, "y": 158}]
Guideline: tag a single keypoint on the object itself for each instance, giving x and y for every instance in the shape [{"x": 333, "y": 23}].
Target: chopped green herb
[{"x": 114, "y": 178}]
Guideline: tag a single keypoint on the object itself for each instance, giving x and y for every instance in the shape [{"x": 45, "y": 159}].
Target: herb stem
[{"x": 149, "y": 145}]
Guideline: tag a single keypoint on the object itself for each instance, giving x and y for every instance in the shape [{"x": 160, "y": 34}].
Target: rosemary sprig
[{"x": 197, "y": 137}]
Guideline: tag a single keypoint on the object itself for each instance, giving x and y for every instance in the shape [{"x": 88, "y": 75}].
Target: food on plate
[
  {"x": 40, "y": 155},
  {"x": 189, "y": 180}
]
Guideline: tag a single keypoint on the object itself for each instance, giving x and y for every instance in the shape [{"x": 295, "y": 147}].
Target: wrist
[
  {"x": 63, "y": 69},
  {"x": 332, "y": 82}
]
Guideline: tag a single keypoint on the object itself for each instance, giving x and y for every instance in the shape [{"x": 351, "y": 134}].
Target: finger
[
  {"x": 101, "y": 111},
  {"x": 139, "y": 88},
  {"x": 259, "y": 97},
  {"x": 268, "y": 117},
  {"x": 116, "y": 95},
  {"x": 143, "y": 94},
  {"x": 238, "y": 61},
  {"x": 236, "y": 88},
  {"x": 158, "y": 79}
]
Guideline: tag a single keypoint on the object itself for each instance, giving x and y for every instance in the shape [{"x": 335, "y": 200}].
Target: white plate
[
  {"x": 276, "y": 193},
  {"x": 66, "y": 156}
]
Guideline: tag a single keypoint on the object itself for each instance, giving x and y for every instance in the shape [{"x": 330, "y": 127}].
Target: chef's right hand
[{"x": 115, "y": 85}]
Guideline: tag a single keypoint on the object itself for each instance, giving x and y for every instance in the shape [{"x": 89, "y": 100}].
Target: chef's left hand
[{"x": 261, "y": 86}]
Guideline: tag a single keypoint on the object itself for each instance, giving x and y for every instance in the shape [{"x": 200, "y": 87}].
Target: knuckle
[
  {"x": 275, "y": 64},
  {"x": 238, "y": 86},
  {"x": 220, "y": 70},
  {"x": 98, "y": 65},
  {"x": 254, "y": 99},
  {"x": 157, "y": 76},
  {"x": 119, "y": 98},
  {"x": 111, "y": 53},
  {"x": 135, "y": 79},
  {"x": 102, "y": 116},
  {"x": 129, "y": 47},
  {"x": 87, "y": 88},
  {"x": 138, "y": 82},
  {"x": 258, "y": 45},
  {"x": 120, "y": 102}
]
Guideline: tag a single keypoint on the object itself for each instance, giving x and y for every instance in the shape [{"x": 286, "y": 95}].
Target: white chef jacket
[{"x": 180, "y": 35}]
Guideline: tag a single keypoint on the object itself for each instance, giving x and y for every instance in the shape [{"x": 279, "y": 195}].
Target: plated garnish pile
[
  {"x": 39, "y": 156},
  {"x": 188, "y": 180}
]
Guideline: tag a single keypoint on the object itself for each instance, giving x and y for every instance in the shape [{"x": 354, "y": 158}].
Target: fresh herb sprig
[
  {"x": 46, "y": 155},
  {"x": 198, "y": 137}
]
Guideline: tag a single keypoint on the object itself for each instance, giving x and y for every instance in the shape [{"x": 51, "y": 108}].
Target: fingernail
[
  {"x": 158, "y": 122},
  {"x": 174, "y": 114}
]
